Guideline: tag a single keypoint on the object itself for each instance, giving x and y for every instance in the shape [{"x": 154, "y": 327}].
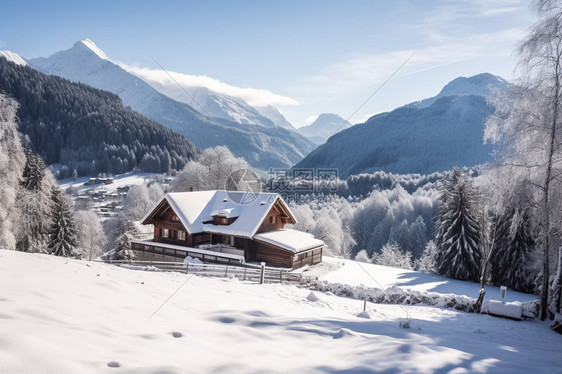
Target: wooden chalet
[{"x": 230, "y": 227}]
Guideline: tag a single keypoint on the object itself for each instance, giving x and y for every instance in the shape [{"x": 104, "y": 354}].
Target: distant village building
[
  {"x": 230, "y": 227},
  {"x": 96, "y": 181}
]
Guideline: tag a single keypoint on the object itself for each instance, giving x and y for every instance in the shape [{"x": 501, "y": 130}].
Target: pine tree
[
  {"x": 32, "y": 231},
  {"x": 511, "y": 261},
  {"x": 33, "y": 172},
  {"x": 62, "y": 234},
  {"x": 122, "y": 249},
  {"x": 457, "y": 233}
]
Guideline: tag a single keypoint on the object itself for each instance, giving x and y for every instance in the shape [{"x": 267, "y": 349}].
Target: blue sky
[{"x": 304, "y": 57}]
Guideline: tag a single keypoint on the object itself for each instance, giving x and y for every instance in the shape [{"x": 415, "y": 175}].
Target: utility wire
[
  {"x": 169, "y": 298},
  {"x": 208, "y": 115},
  {"x": 382, "y": 288},
  {"x": 376, "y": 91}
]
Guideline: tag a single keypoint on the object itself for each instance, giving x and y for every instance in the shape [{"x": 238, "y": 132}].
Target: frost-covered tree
[
  {"x": 210, "y": 171},
  {"x": 122, "y": 249},
  {"x": 362, "y": 256},
  {"x": 427, "y": 259},
  {"x": 33, "y": 171},
  {"x": 457, "y": 233},
  {"x": 137, "y": 203},
  {"x": 90, "y": 235},
  {"x": 33, "y": 205},
  {"x": 512, "y": 263},
  {"x": 62, "y": 236},
  {"x": 394, "y": 215},
  {"x": 155, "y": 193},
  {"x": 329, "y": 221},
  {"x": 528, "y": 121},
  {"x": 12, "y": 159},
  {"x": 140, "y": 199},
  {"x": 392, "y": 255}
]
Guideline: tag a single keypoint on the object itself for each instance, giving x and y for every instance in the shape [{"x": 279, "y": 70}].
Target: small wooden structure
[{"x": 226, "y": 226}]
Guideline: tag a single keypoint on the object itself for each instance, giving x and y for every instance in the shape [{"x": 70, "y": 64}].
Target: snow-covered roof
[
  {"x": 194, "y": 209},
  {"x": 291, "y": 240}
]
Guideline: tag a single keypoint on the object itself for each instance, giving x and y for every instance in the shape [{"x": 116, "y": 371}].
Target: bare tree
[
  {"x": 210, "y": 171},
  {"x": 529, "y": 119},
  {"x": 91, "y": 237}
]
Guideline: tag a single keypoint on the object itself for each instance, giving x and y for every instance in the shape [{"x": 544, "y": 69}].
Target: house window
[
  {"x": 271, "y": 219},
  {"x": 165, "y": 233},
  {"x": 175, "y": 218},
  {"x": 181, "y": 235}
]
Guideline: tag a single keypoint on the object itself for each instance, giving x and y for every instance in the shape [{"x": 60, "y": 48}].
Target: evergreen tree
[
  {"x": 62, "y": 234},
  {"x": 122, "y": 250},
  {"x": 511, "y": 261},
  {"x": 33, "y": 171},
  {"x": 457, "y": 233},
  {"x": 32, "y": 230}
]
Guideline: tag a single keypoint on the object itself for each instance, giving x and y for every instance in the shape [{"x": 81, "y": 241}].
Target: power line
[
  {"x": 376, "y": 91},
  {"x": 384, "y": 290}
]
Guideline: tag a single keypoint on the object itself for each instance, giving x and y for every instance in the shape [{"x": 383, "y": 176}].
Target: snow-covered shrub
[{"x": 392, "y": 255}]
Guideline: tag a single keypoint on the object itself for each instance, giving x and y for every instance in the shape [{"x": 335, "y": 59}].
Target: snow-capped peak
[
  {"x": 13, "y": 57},
  {"x": 94, "y": 48}
]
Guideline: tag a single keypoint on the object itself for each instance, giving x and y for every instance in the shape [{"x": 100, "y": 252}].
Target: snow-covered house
[{"x": 226, "y": 226}]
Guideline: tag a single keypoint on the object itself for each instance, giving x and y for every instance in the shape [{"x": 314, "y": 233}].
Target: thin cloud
[
  {"x": 362, "y": 73},
  {"x": 161, "y": 79},
  {"x": 308, "y": 120}
]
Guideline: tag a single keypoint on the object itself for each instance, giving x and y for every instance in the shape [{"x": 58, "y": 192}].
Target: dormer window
[{"x": 223, "y": 221}]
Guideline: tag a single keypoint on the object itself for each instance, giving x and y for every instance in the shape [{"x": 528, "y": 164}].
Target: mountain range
[
  {"x": 86, "y": 129},
  {"x": 326, "y": 125},
  {"x": 221, "y": 121},
  {"x": 431, "y": 135}
]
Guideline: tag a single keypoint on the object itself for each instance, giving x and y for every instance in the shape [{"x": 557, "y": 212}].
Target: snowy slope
[
  {"x": 68, "y": 316},
  {"x": 483, "y": 84},
  {"x": 273, "y": 114},
  {"x": 208, "y": 102},
  {"x": 13, "y": 57},
  {"x": 326, "y": 125},
  {"x": 262, "y": 146},
  {"x": 370, "y": 275},
  {"x": 423, "y": 137}
]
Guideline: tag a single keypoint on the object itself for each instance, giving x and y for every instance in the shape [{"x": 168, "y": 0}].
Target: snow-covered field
[
  {"x": 370, "y": 275},
  {"x": 121, "y": 180},
  {"x": 64, "y": 316}
]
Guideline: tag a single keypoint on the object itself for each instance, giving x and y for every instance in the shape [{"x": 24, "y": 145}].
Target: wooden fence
[{"x": 245, "y": 272}]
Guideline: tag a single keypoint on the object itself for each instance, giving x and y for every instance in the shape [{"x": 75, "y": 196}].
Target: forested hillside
[
  {"x": 253, "y": 137},
  {"x": 433, "y": 135},
  {"x": 87, "y": 129}
]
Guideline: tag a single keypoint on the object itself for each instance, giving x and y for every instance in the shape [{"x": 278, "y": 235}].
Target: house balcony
[{"x": 157, "y": 251}]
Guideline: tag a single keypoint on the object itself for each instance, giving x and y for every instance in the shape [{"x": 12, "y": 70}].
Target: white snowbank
[
  {"x": 64, "y": 316},
  {"x": 353, "y": 273},
  {"x": 191, "y": 260},
  {"x": 504, "y": 309}
]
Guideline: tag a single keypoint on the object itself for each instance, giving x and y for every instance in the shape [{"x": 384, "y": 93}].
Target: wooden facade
[{"x": 169, "y": 230}]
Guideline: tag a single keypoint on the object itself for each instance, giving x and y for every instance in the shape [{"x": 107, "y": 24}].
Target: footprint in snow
[
  {"x": 113, "y": 364},
  {"x": 177, "y": 334}
]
